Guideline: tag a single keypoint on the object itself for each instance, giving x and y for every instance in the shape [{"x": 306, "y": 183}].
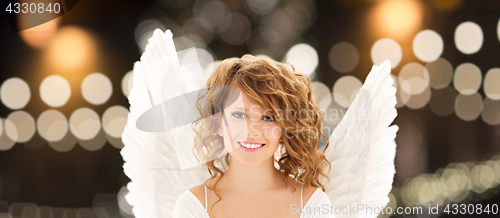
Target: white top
[{"x": 318, "y": 206}]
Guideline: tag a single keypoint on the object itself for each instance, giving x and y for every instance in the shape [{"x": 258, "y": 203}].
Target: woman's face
[{"x": 250, "y": 136}]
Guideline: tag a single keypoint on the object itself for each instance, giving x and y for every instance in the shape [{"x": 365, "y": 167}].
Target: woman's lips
[{"x": 251, "y": 150}]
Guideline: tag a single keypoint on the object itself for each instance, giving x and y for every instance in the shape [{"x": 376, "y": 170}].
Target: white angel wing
[
  {"x": 150, "y": 158},
  {"x": 362, "y": 149}
]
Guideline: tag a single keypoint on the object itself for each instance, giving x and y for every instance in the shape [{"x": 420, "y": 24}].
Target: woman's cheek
[{"x": 275, "y": 132}]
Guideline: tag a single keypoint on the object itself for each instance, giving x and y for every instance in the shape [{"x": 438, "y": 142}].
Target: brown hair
[{"x": 272, "y": 85}]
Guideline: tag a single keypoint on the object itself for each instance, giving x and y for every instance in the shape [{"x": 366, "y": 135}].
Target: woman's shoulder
[
  {"x": 199, "y": 192},
  {"x": 318, "y": 196}
]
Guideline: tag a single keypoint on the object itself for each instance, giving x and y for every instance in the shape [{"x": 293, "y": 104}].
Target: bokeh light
[
  {"x": 72, "y": 49},
  {"x": 15, "y": 93},
  {"x": 468, "y": 37},
  {"x": 322, "y": 95},
  {"x": 67, "y": 143},
  {"x": 6, "y": 143},
  {"x": 213, "y": 12},
  {"x": 419, "y": 100},
  {"x": 398, "y": 19},
  {"x": 114, "y": 120},
  {"x": 491, "y": 84},
  {"x": 52, "y": 125},
  {"x": 345, "y": 90},
  {"x": 95, "y": 143},
  {"x": 261, "y": 6},
  {"x": 413, "y": 78},
  {"x": 84, "y": 123},
  {"x": 145, "y": 30},
  {"x": 343, "y": 57},
  {"x": 115, "y": 142},
  {"x": 303, "y": 57},
  {"x": 96, "y": 88},
  {"x": 428, "y": 45},
  {"x": 235, "y": 28},
  {"x": 498, "y": 30},
  {"x": 467, "y": 78},
  {"x": 447, "y": 5},
  {"x": 55, "y": 91},
  {"x": 468, "y": 107},
  {"x": 20, "y": 126},
  {"x": 122, "y": 202},
  {"x": 386, "y": 49},
  {"x": 440, "y": 73},
  {"x": 210, "y": 68},
  {"x": 127, "y": 83},
  {"x": 491, "y": 111}
]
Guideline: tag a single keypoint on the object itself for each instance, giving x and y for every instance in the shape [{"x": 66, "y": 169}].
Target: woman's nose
[{"x": 253, "y": 128}]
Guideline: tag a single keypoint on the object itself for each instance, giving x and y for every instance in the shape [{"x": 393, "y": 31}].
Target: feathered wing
[
  {"x": 150, "y": 158},
  {"x": 362, "y": 148}
]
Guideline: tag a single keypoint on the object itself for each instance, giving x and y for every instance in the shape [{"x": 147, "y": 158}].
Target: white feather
[
  {"x": 362, "y": 148},
  {"x": 150, "y": 158}
]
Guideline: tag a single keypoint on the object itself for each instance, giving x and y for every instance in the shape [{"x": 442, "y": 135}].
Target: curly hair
[{"x": 288, "y": 96}]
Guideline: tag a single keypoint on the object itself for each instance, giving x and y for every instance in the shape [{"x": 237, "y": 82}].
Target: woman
[{"x": 269, "y": 108}]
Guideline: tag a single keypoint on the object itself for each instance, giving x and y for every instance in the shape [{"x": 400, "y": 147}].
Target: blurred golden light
[
  {"x": 402, "y": 97},
  {"x": 303, "y": 57},
  {"x": 15, "y": 93},
  {"x": 55, "y": 91},
  {"x": 211, "y": 67},
  {"x": 398, "y": 18},
  {"x": 72, "y": 49},
  {"x": 96, "y": 88},
  {"x": 115, "y": 142},
  {"x": 52, "y": 125},
  {"x": 428, "y": 45},
  {"x": 467, "y": 78},
  {"x": 127, "y": 83},
  {"x": 468, "y": 37},
  {"x": 322, "y": 94},
  {"x": 20, "y": 126},
  {"x": 67, "y": 143},
  {"x": 84, "y": 123},
  {"x": 498, "y": 29},
  {"x": 114, "y": 120},
  {"x": 413, "y": 78},
  {"x": 468, "y": 107},
  {"x": 492, "y": 84},
  {"x": 38, "y": 36},
  {"x": 419, "y": 100},
  {"x": 95, "y": 143},
  {"x": 491, "y": 111},
  {"x": 85, "y": 212},
  {"x": 447, "y": 5},
  {"x": 45, "y": 212},
  {"x": 345, "y": 90},
  {"x": 343, "y": 57},
  {"x": 386, "y": 49},
  {"x": 122, "y": 202},
  {"x": 6, "y": 143},
  {"x": 440, "y": 72}
]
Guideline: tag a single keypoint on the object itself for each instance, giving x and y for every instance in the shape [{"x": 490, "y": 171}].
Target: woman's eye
[
  {"x": 266, "y": 118},
  {"x": 238, "y": 115}
]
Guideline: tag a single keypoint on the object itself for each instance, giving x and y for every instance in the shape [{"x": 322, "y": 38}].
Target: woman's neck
[{"x": 248, "y": 179}]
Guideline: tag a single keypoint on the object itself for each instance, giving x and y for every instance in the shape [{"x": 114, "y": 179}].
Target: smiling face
[{"x": 249, "y": 135}]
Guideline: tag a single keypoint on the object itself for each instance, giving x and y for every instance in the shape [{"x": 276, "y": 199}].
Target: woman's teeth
[{"x": 251, "y": 146}]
